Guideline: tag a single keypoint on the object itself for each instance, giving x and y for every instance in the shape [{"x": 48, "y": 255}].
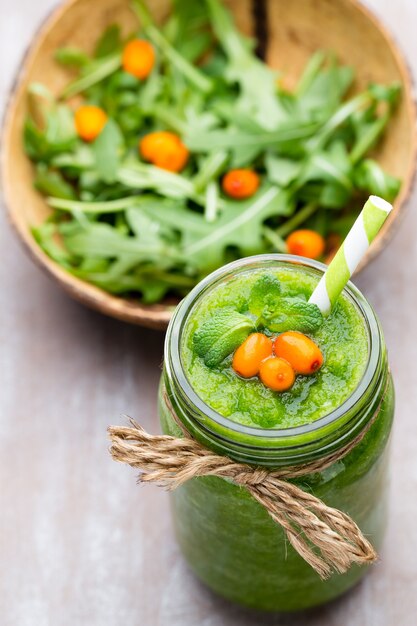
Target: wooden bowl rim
[{"x": 158, "y": 316}]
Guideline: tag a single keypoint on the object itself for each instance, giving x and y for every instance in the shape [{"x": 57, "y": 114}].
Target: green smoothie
[
  {"x": 227, "y": 537},
  {"x": 341, "y": 337}
]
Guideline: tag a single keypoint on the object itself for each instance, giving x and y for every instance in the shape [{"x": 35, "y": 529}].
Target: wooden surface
[{"x": 80, "y": 544}]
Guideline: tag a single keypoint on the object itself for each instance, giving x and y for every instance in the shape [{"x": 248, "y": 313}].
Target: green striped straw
[{"x": 352, "y": 250}]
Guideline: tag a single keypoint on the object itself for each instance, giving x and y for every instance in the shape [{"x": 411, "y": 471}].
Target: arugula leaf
[
  {"x": 71, "y": 57},
  {"x": 106, "y": 149},
  {"x": 256, "y": 80},
  {"x": 49, "y": 182},
  {"x": 103, "y": 241},
  {"x": 237, "y": 226},
  {"x": 80, "y": 158},
  {"x": 45, "y": 236},
  {"x": 370, "y": 177},
  {"x": 332, "y": 165},
  {"x": 291, "y": 314},
  {"x": 210, "y": 208},
  {"x": 49, "y": 130},
  {"x": 111, "y": 206},
  {"x": 143, "y": 176},
  {"x": 386, "y": 93},
  {"x": 220, "y": 335},
  {"x": 342, "y": 114},
  {"x": 326, "y": 90},
  {"x": 277, "y": 242},
  {"x": 92, "y": 73},
  {"x": 281, "y": 170},
  {"x": 143, "y": 226},
  {"x": 211, "y": 167},
  {"x": 310, "y": 72},
  {"x": 109, "y": 42},
  {"x": 197, "y": 78},
  {"x": 333, "y": 196},
  {"x": 186, "y": 29},
  {"x": 119, "y": 278},
  {"x": 224, "y": 138}
]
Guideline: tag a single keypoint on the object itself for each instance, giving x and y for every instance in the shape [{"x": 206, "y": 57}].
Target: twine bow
[{"x": 326, "y": 538}]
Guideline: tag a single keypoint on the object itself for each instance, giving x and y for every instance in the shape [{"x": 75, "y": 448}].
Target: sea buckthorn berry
[
  {"x": 89, "y": 121},
  {"x": 277, "y": 374},
  {"x": 306, "y": 243},
  {"x": 138, "y": 58},
  {"x": 300, "y": 351},
  {"x": 165, "y": 150},
  {"x": 248, "y": 357},
  {"x": 240, "y": 184}
]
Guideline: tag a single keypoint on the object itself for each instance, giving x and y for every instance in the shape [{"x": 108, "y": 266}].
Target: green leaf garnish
[
  {"x": 220, "y": 335},
  {"x": 291, "y": 314},
  {"x": 266, "y": 287}
]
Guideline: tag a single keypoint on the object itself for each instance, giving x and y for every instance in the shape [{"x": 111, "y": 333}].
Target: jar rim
[{"x": 314, "y": 429}]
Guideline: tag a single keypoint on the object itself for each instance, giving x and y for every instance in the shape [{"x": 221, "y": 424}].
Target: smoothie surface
[{"x": 342, "y": 338}]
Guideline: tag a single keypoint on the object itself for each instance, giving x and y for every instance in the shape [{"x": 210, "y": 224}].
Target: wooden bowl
[{"x": 295, "y": 31}]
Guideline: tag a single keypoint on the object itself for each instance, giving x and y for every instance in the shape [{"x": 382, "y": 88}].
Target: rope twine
[{"x": 325, "y": 537}]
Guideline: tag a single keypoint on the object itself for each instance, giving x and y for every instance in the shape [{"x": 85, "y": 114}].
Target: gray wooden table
[{"x": 80, "y": 544}]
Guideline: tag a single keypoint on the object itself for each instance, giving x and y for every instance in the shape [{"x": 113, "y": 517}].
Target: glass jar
[{"x": 227, "y": 537}]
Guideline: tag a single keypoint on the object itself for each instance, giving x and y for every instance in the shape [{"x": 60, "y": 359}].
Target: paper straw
[{"x": 363, "y": 232}]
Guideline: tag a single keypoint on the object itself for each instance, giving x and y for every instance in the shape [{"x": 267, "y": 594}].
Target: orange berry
[
  {"x": 240, "y": 184},
  {"x": 306, "y": 243},
  {"x": 165, "y": 150},
  {"x": 89, "y": 121},
  {"x": 300, "y": 351},
  {"x": 248, "y": 357},
  {"x": 277, "y": 374},
  {"x": 138, "y": 58}
]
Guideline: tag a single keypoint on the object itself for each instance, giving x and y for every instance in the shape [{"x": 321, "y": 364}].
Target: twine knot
[{"x": 325, "y": 537}]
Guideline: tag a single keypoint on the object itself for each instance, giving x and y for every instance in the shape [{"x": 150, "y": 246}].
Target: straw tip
[{"x": 382, "y": 204}]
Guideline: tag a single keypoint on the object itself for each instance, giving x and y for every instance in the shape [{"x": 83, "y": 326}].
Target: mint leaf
[
  {"x": 266, "y": 287},
  {"x": 291, "y": 314},
  {"x": 220, "y": 335}
]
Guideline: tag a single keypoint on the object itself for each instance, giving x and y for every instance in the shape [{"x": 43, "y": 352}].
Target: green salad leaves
[{"x": 133, "y": 228}]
